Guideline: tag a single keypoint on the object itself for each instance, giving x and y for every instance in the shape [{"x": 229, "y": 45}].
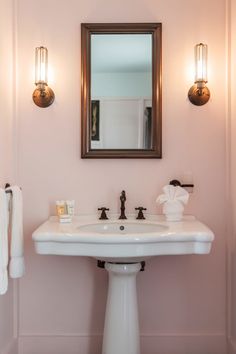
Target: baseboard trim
[
  {"x": 11, "y": 348},
  {"x": 196, "y": 343},
  {"x": 231, "y": 346}
]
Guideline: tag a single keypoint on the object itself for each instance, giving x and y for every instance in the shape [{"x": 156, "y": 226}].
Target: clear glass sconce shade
[
  {"x": 41, "y": 65},
  {"x": 201, "y": 63}
]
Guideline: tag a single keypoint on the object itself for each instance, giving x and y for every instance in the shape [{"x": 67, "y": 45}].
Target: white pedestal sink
[{"x": 123, "y": 245}]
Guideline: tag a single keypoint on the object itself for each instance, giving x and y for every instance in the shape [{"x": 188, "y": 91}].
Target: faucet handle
[
  {"x": 140, "y": 213},
  {"x": 103, "y": 213}
]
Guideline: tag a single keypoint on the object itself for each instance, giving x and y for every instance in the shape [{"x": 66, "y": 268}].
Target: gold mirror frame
[{"x": 88, "y": 29}]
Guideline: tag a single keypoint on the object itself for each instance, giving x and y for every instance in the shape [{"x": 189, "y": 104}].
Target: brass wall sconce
[
  {"x": 199, "y": 94},
  {"x": 43, "y": 96}
]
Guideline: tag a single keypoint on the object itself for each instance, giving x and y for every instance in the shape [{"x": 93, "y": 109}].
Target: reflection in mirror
[
  {"x": 121, "y": 91},
  {"x": 121, "y": 105}
]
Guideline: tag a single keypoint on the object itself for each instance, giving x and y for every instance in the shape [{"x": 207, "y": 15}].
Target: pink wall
[
  {"x": 6, "y": 158},
  {"x": 181, "y": 299},
  {"x": 232, "y": 189},
  {"x": 6, "y": 89}
]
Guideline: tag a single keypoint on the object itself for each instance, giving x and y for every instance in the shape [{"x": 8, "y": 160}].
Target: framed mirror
[{"x": 121, "y": 90}]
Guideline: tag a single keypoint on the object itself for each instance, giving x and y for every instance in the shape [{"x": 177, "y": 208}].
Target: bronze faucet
[{"x": 122, "y": 205}]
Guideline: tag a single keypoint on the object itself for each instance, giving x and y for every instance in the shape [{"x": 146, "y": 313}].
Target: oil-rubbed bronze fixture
[
  {"x": 43, "y": 96},
  {"x": 122, "y": 205},
  {"x": 140, "y": 213},
  {"x": 177, "y": 183},
  {"x": 199, "y": 94},
  {"x": 103, "y": 213}
]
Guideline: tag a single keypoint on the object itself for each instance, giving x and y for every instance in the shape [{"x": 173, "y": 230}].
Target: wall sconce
[
  {"x": 199, "y": 94},
  {"x": 43, "y": 96}
]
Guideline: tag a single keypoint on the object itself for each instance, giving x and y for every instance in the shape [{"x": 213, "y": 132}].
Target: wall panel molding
[
  {"x": 231, "y": 346},
  {"x": 11, "y": 348},
  {"x": 166, "y": 343}
]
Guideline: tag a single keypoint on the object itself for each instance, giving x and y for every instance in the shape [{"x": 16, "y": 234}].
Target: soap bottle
[
  {"x": 61, "y": 207},
  {"x": 70, "y": 207}
]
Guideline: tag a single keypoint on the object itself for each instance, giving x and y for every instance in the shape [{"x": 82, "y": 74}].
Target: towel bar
[
  {"x": 7, "y": 186},
  {"x": 175, "y": 183}
]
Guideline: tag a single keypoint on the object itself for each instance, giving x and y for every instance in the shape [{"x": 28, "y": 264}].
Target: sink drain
[{"x": 122, "y": 227}]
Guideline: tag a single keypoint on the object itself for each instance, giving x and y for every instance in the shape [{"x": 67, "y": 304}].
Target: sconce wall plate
[
  {"x": 43, "y": 98},
  {"x": 198, "y": 96}
]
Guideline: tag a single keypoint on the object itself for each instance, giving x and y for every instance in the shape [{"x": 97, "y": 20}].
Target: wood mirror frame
[{"x": 88, "y": 29}]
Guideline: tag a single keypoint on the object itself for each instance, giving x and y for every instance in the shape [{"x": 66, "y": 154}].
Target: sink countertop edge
[{"x": 51, "y": 230}]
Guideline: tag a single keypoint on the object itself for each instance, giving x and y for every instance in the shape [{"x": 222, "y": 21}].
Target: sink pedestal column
[{"x": 121, "y": 331}]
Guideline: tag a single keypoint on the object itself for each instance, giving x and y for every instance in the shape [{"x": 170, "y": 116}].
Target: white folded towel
[
  {"x": 17, "y": 263},
  {"x": 173, "y": 198},
  {"x": 3, "y": 241}
]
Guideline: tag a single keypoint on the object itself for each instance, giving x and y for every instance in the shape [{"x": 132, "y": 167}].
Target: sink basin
[
  {"x": 122, "y": 244},
  {"x": 122, "y": 228},
  {"x": 123, "y": 240}
]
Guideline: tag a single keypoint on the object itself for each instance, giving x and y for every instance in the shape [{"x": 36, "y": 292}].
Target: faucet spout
[{"x": 122, "y": 205}]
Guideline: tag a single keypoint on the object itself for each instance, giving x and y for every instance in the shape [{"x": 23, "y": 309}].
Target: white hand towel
[
  {"x": 173, "y": 193},
  {"x": 173, "y": 199},
  {"x": 3, "y": 241},
  {"x": 17, "y": 263}
]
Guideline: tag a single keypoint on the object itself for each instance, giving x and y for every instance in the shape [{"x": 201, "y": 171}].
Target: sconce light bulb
[
  {"x": 41, "y": 65},
  {"x": 201, "y": 63}
]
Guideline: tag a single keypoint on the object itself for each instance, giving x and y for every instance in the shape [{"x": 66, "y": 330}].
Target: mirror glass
[
  {"x": 121, "y": 91},
  {"x": 121, "y": 114}
]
